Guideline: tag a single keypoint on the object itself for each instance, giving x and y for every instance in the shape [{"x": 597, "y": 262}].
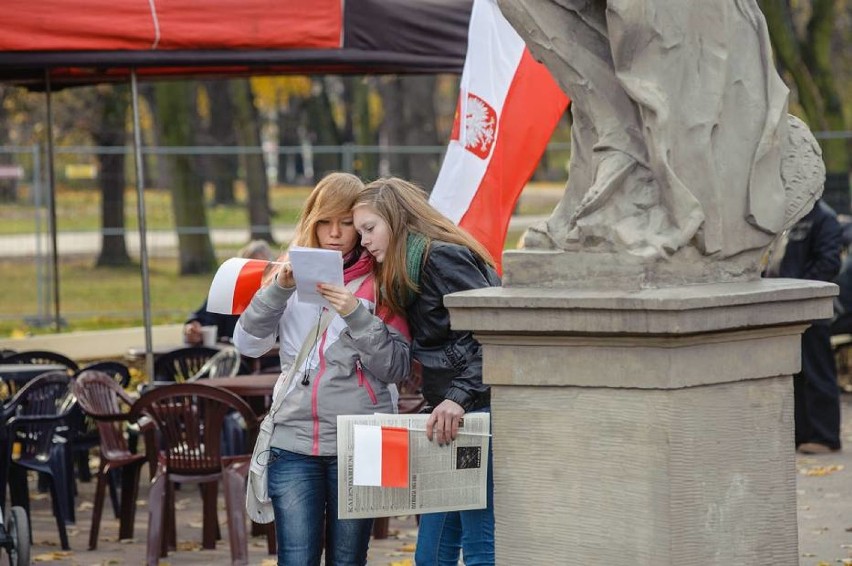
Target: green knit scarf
[{"x": 415, "y": 249}]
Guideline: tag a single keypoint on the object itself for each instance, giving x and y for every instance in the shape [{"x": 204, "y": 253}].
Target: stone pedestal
[{"x": 645, "y": 427}]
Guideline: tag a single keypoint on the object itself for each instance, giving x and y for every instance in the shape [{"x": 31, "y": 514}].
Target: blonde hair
[
  {"x": 334, "y": 195},
  {"x": 405, "y": 208}
]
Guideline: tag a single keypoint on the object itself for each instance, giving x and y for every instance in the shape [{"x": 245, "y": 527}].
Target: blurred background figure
[
  {"x": 256, "y": 249},
  {"x": 813, "y": 251}
]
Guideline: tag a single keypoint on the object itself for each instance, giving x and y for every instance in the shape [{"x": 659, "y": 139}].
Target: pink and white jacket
[{"x": 350, "y": 369}]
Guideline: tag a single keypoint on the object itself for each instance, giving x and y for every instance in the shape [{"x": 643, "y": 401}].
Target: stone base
[
  {"x": 644, "y": 428},
  {"x": 585, "y": 270}
]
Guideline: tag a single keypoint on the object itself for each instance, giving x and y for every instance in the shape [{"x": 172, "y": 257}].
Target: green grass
[
  {"x": 102, "y": 298},
  {"x": 79, "y": 210}
]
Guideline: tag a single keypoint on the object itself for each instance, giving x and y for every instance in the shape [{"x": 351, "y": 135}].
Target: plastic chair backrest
[
  {"x": 117, "y": 370},
  {"x": 181, "y": 364},
  {"x": 41, "y": 357},
  {"x": 190, "y": 418},
  {"x": 225, "y": 363},
  {"x": 102, "y": 398},
  {"x": 39, "y": 408}
]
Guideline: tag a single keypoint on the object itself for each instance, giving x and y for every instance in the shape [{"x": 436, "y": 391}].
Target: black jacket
[
  {"x": 813, "y": 246},
  {"x": 452, "y": 360},
  {"x": 224, "y": 322}
]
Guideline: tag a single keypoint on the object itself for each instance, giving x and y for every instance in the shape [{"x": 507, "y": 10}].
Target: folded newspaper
[{"x": 377, "y": 452}]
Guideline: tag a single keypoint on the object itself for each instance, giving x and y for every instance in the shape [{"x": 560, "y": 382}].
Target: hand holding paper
[
  {"x": 238, "y": 279},
  {"x": 312, "y": 266}
]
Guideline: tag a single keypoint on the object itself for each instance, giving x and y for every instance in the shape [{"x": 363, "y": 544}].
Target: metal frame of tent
[{"x": 351, "y": 37}]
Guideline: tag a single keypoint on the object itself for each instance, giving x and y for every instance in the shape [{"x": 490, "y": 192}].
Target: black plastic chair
[
  {"x": 182, "y": 364},
  {"x": 38, "y": 420},
  {"x": 41, "y": 357}
]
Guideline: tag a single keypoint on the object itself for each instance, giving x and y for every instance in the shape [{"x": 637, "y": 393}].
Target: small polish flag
[
  {"x": 234, "y": 285},
  {"x": 508, "y": 107},
  {"x": 380, "y": 456}
]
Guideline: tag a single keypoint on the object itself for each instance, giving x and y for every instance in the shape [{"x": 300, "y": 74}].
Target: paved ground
[{"x": 824, "y": 487}]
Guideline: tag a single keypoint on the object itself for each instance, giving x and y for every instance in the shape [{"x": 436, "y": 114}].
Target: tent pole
[
  {"x": 51, "y": 202},
  {"x": 140, "y": 212}
]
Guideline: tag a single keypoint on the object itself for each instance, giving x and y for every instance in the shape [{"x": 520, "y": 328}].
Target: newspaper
[{"x": 441, "y": 478}]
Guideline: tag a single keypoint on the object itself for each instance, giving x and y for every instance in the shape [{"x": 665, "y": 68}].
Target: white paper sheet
[{"x": 312, "y": 266}]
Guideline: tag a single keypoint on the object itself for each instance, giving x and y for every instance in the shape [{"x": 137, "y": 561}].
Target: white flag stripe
[
  {"x": 367, "y": 455},
  {"x": 493, "y": 56},
  {"x": 221, "y": 296}
]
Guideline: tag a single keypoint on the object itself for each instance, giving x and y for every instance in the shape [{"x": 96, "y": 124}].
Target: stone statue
[{"x": 682, "y": 148}]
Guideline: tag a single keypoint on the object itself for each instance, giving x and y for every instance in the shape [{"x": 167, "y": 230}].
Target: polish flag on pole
[
  {"x": 509, "y": 105},
  {"x": 380, "y": 456},
  {"x": 234, "y": 285}
]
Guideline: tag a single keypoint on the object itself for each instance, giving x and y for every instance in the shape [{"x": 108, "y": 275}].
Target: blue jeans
[
  {"x": 303, "y": 490},
  {"x": 442, "y": 535}
]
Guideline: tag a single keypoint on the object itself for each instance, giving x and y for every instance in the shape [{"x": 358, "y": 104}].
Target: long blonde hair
[
  {"x": 406, "y": 209},
  {"x": 334, "y": 195}
]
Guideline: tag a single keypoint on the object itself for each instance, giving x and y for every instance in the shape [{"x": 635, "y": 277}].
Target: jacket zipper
[
  {"x": 315, "y": 393},
  {"x": 363, "y": 382}
]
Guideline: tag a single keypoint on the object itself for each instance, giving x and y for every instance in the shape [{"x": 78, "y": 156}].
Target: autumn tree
[
  {"x": 109, "y": 130},
  {"x": 178, "y": 122},
  {"x": 811, "y": 50}
]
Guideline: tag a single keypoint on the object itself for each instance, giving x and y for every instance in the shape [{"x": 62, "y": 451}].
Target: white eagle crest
[{"x": 480, "y": 123}]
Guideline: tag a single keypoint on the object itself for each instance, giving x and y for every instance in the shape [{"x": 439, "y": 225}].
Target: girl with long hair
[
  {"x": 420, "y": 257},
  {"x": 345, "y": 362}
]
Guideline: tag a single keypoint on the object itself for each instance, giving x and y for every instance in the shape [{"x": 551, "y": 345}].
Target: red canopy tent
[
  {"x": 91, "y": 41},
  {"x": 50, "y": 43}
]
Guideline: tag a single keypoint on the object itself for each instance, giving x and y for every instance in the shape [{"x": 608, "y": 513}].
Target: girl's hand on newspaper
[
  {"x": 443, "y": 423},
  {"x": 341, "y": 298},
  {"x": 285, "y": 276}
]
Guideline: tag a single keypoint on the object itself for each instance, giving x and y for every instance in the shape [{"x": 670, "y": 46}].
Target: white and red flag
[
  {"x": 235, "y": 283},
  {"x": 509, "y": 105},
  {"x": 380, "y": 456}
]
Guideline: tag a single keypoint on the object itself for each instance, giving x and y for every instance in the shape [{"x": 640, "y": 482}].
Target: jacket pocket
[{"x": 365, "y": 383}]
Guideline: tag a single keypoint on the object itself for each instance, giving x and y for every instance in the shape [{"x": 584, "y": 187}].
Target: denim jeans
[
  {"x": 303, "y": 490},
  {"x": 442, "y": 535}
]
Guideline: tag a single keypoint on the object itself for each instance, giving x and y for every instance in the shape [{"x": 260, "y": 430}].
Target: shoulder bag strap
[{"x": 318, "y": 330}]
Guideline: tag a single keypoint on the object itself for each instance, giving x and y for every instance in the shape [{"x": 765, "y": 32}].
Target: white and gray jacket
[{"x": 350, "y": 368}]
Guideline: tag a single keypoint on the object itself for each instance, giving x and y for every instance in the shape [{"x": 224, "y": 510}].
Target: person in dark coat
[
  {"x": 225, "y": 323},
  {"x": 813, "y": 251},
  {"x": 421, "y": 256}
]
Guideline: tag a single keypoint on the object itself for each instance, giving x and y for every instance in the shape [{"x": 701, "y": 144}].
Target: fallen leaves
[
  {"x": 406, "y": 562},
  {"x": 51, "y": 556},
  {"x": 819, "y": 471}
]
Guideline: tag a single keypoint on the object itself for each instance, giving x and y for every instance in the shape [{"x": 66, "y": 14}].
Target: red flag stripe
[
  {"x": 534, "y": 104},
  {"x": 247, "y": 284},
  {"x": 394, "y": 457}
]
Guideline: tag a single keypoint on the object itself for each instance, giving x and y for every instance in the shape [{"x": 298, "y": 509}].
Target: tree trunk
[
  {"x": 257, "y": 185},
  {"x": 323, "y": 129},
  {"x": 291, "y": 167},
  {"x": 8, "y": 186},
  {"x": 366, "y": 162},
  {"x": 178, "y": 119},
  {"x": 410, "y": 120},
  {"x": 806, "y": 59},
  {"x": 155, "y": 168},
  {"x": 110, "y": 132},
  {"x": 393, "y": 125},
  {"x": 418, "y": 94},
  {"x": 223, "y": 168}
]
